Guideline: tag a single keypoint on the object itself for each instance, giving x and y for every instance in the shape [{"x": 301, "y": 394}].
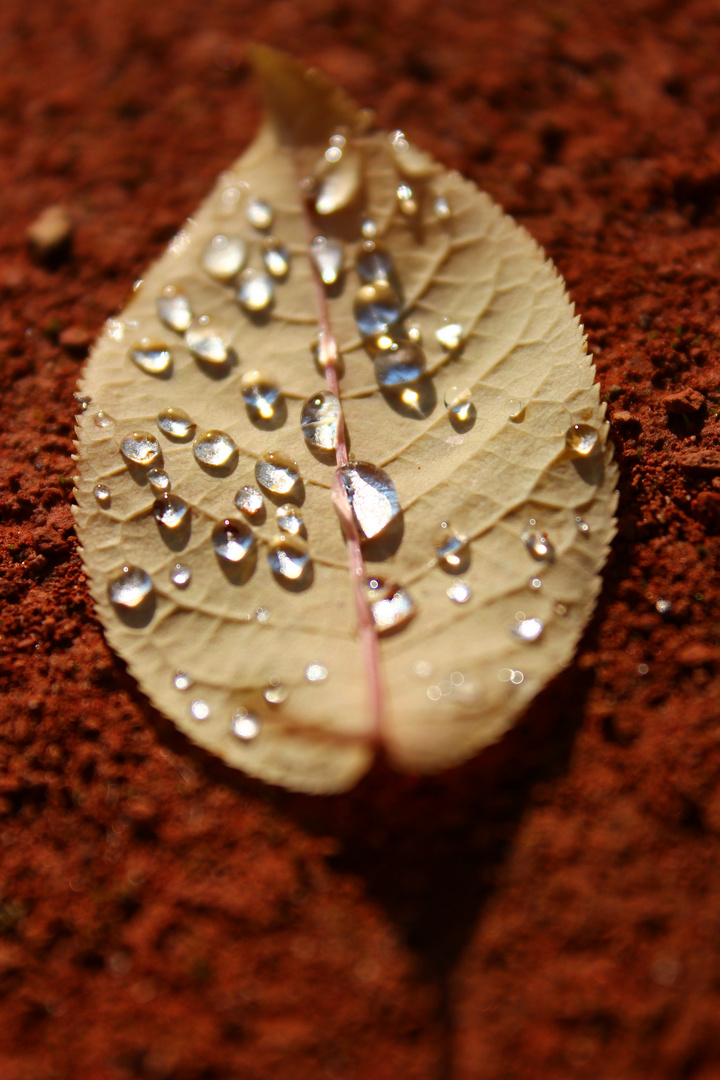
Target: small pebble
[{"x": 50, "y": 235}]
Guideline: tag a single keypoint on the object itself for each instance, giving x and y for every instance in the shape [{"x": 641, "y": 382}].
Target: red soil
[{"x": 553, "y": 908}]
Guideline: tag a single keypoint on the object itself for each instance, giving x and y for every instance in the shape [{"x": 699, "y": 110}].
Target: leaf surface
[{"x": 471, "y": 639}]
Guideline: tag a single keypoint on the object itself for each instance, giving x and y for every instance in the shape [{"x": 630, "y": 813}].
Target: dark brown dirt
[{"x": 551, "y": 909}]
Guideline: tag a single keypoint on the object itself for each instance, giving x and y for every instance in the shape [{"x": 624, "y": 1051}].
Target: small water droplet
[
  {"x": 535, "y": 583},
  {"x": 450, "y": 335},
  {"x": 373, "y": 262},
  {"x": 453, "y": 552},
  {"x": 333, "y": 154},
  {"x": 115, "y": 329},
  {"x": 232, "y": 540},
  {"x": 441, "y": 208},
  {"x": 372, "y": 496},
  {"x": 230, "y": 197},
  {"x": 538, "y": 545},
  {"x": 316, "y": 672},
  {"x": 224, "y": 257},
  {"x": 368, "y": 227},
  {"x": 175, "y": 423},
  {"x": 376, "y": 308},
  {"x": 328, "y": 257},
  {"x": 199, "y": 709},
  {"x": 582, "y": 439},
  {"x": 170, "y": 511},
  {"x": 457, "y": 678},
  {"x": 261, "y": 394},
  {"x": 528, "y": 629},
  {"x": 159, "y": 481},
  {"x": 663, "y": 606},
  {"x": 245, "y": 725},
  {"x": 390, "y": 605},
  {"x": 83, "y": 400},
  {"x": 152, "y": 357},
  {"x": 102, "y": 495},
  {"x": 459, "y": 592},
  {"x": 407, "y": 202},
  {"x": 276, "y": 257},
  {"x": 256, "y": 291},
  {"x": 141, "y": 448},
  {"x": 179, "y": 242},
  {"x": 275, "y": 693},
  {"x": 181, "y": 680},
  {"x": 250, "y": 501},
  {"x": 516, "y": 411},
  {"x": 102, "y": 419},
  {"x": 214, "y": 448},
  {"x": 262, "y": 615},
  {"x": 131, "y": 588},
  {"x": 459, "y": 404},
  {"x": 414, "y": 333},
  {"x": 582, "y": 526},
  {"x": 289, "y": 520},
  {"x": 434, "y": 693},
  {"x": 259, "y": 214},
  {"x": 180, "y": 575},
  {"x": 288, "y": 557},
  {"x": 208, "y": 339},
  {"x": 173, "y": 308},
  {"x": 319, "y": 420},
  {"x": 422, "y": 669},
  {"x": 277, "y": 473},
  {"x": 399, "y": 367}
]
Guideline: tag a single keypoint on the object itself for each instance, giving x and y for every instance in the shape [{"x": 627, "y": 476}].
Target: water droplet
[
  {"x": 516, "y": 411},
  {"x": 103, "y": 419},
  {"x": 538, "y": 545},
  {"x": 214, "y": 448},
  {"x": 535, "y": 583},
  {"x": 339, "y": 180},
  {"x": 262, "y": 615},
  {"x": 560, "y": 609},
  {"x": 83, "y": 400},
  {"x": 102, "y": 495},
  {"x": 230, "y": 197},
  {"x": 173, "y": 308},
  {"x": 245, "y": 725},
  {"x": 250, "y": 501},
  {"x": 170, "y": 511},
  {"x": 261, "y": 394},
  {"x": 390, "y": 605},
  {"x": 376, "y": 308},
  {"x": 328, "y": 257},
  {"x": 452, "y": 551},
  {"x": 368, "y": 227},
  {"x": 232, "y": 540},
  {"x": 182, "y": 681},
  {"x": 319, "y": 420},
  {"x": 399, "y": 367},
  {"x": 179, "y": 242},
  {"x": 414, "y": 333},
  {"x": 289, "y": 520},
  {"x": 277, "y": 473},
  {"x": 460, "y": 592},
  {"x": 434, "y": 693},
  {"x": 582, "y": 526},
  {"x": 208, "y": 339},
  {"x": 398, "y": 142},
  {"x": 159, "y": 481},
  {"x": 663, "y": 606},
  {"x": 141, "y": 448},
  {"x": 528, "y": 629},
  {"x": 288, "y": 557},
  {"x": 511, "y": 675},
  {"x": 259, "y": 214},
  {"x": 152, "y": 357},
  {"x": 316, "y": 672},
  {"x": 441, "y": 208},
  {"x": 422, "y": 669},
  {"x": 333, "y": 154},
  {"x": 175, "y": 423},
  {"x": 373, "y": 262},
  {"x": 373, "y": 499},
  {"x": 199, "y": 709},
  {"x": 131, "y": 588},
  {"x": 457, "y": 678},
  {"x": 450, "y": 335},
  {"x": 180, "y": 575},
  {"x": 256, "y": 291},
  {"x": 276, "y": 693},
  {"x": 582, "y": 439},
  {"x": 407, "y": 202},
  {"x": 115, "y": 329},
  {"x": 224, "y": 257},
  {"x": 276, "y": 257}
]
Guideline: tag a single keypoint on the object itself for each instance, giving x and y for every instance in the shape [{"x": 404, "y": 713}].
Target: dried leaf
[{"x": 290, "y": 609}]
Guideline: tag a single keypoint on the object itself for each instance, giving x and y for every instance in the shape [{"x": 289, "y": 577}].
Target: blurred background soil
[{"x": 551, "y": 909}]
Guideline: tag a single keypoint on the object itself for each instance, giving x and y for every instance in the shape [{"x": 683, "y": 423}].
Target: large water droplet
[
  {"x": 315, "y": 672},
  {"x": 399, "y": 367},
  {"x": 171, "y": 511},
  {"x": 208, "y": 339},
  {"x": 175, "y": 423},
  {"x": 319, "y": 420},
  {"x": 181, "y": 680},
  {"x": 141, "y": 448},
  {"x": 261, "y": 394},
  {"x": 328, "y": 256},
  {"x": 459, "y": 592},
  {"x": 373, "y": 262},
  {"x": 390, "y": 605},
  {"x": 245, "y": 725},
  {"x": 232, "y": 540},
  {"x": 152, "y": 357},
  {"x": 538, "y": 545},
  {"x": 459, "y": 404},
  {"x": 159, "y": 481},
  {"x": 528, "y": 629},
  {"x": 259, "y": 214},
  {"x": 256, "y": 290},
  {"x": 453, "y": 552},
  {"x": 199, "y": 709},
  {"x": 276, "y": 257},
  {"x": 450, "y": 334},
  {"x": 250, "y": 501},
  {"x": 277, "y": 472},
  {"x": 131, "y": 588},
  {"x": 289, "y": 520},
  {"x": 180, "y": 575},
  {"x": 288, "y": 557},
  {"x": 224, "y": 257},
  {"x": 214, "y": 448},
  {"x": 582, "y": 439},
  {"x": 102, "y": 495},
  {"x": 173, "y": 308},
  {"x": 372, "y": 496},
  {"x": 102, "y": 419},
  {"x": 341, "y": 180},
  {"x": 376, "y": 308}
]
